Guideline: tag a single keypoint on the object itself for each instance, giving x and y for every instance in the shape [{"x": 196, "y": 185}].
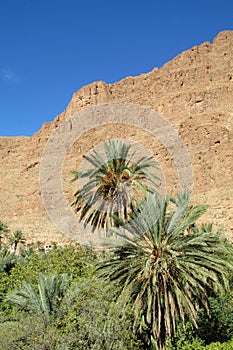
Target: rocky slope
[{"x": 194, "y": 92}]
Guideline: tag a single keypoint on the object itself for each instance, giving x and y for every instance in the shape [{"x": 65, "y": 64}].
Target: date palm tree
[
  {"x": 26, "y": 253},
  {"x": 164, "y": 269},
  {"x": 7, "y": 260},
  {"x": 49, "y": 300},
  {"x": 16, "y": 238},
  {"x": 3, "y": 232},
  {"x": 114, "y": 182}
]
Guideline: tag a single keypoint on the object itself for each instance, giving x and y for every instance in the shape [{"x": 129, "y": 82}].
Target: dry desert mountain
[{"x": 193, "y": 92}]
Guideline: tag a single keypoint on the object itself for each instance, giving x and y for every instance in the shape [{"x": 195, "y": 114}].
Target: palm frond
[
  {"x": 45, "y": 300},
  {"x": 166, "y": 271},
  {"x": 113, "y": 184}
]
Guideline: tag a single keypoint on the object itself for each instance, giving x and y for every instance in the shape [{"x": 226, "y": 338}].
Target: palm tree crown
[
  {"x": 114, "y": 182},
  {"x": 17, "y": 238},
  {"x": 164, "y": 268},
  {"x": 45, "y": 300},
  {"x": 3, "y": 232}
]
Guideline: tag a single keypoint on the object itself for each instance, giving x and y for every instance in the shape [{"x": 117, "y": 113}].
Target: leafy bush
[
  {"x": 97, "y": 319},
  {"x": 76, "y": 261},
  {"x": 212, "y": 346},
  {"x": 28, "y": 333},
  {"x": 72, "y": 260},
  {"x": 218, "y": 325}
]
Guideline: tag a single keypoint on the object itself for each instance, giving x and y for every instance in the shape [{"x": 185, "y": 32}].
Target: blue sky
[{"x": 51, "y": 48}]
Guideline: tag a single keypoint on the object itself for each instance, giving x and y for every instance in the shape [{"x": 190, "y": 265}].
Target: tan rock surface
[{"x": 194, "y": 92}]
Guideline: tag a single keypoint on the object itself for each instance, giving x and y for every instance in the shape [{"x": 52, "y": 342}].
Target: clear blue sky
[{"x": 51, "y": 48}]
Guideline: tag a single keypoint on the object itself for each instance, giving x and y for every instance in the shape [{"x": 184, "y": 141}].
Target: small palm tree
[
  {"x": 48, "y": 301},
  {"x": 114, "y": 184},
  {"x": 7, "y": 260},
  {"x": 26, "y": 252},
  {"x": 3, "y": 232},
  {"x": 165, "y": 271},
  {"x": 16, "y": 238}
]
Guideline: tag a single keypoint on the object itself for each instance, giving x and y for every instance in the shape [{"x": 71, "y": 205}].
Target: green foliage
[
  {"x": 49, "y": 300},
  {"x": 7, "y": 261},
  {"x": 161, "y": 272},
  {"x": 16, "y": 238},
  {"x": 166, "y": 270},
  {"x": 26, "y": 253},
  {"x": 183, "y": 337},
  {"x": 114, "y": 182},
  {"x": 76, "y": 261},
  {"x": 213, "y": 346},
  {"x": 214, "y": 329},
  {"x": 92, "y": 320},
  {"x": 8, "y": 258},
  {"x": 218, "y": 324},
  {"x": 98, "y": 320},
  {"x": 4, "y": 230},
  {"x": 28, "y": 333}
]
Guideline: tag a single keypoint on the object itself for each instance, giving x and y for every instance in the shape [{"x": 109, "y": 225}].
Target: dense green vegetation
[
  {"x": 165, "y": 283},
  {"x": 167, "y": 275},
  {"x": 60, "y": 299}
]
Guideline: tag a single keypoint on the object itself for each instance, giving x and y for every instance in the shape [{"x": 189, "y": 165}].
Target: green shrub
[
  {"x": 218, "y": 325},
  {"x": 212, "y": 346}
]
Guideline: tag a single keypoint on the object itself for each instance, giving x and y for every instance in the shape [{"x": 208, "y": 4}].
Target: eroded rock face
[{"x": 194, "y": 92}]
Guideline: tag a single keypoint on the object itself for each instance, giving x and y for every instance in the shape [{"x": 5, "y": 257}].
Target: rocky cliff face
[{"x": 194, "y": 92}]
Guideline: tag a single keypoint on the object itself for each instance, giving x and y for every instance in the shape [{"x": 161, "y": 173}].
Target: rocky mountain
[{"x": 193, "y": 92}]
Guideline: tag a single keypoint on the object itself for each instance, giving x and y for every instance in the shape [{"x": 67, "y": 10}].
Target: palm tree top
[
  {"x": 16, "y": 238},
  {"x": 4, "y": 230},
  {"x": 114, "y": 182},
  {"x": 164, "y": 266},
  {"x": 45, "y": 300},
  {"x": 3, "y": 227}
]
